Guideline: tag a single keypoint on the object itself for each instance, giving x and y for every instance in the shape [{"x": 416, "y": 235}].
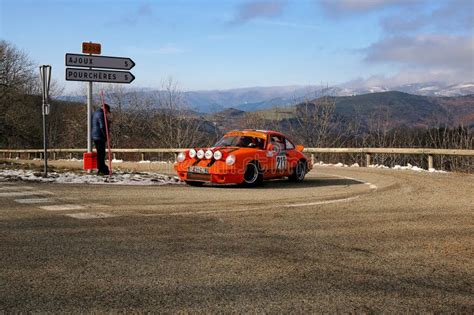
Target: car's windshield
[{"x": 241, "y": 141}]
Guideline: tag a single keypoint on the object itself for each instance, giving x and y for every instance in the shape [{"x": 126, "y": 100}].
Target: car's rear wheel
[
  {"x": 193, "y": 183},
  {"x": 253, "y": 175},
  {"x": 299, "y": 172}
]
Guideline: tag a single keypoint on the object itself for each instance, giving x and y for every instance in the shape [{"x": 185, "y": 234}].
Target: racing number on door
[{"x": 281, "y": 162}]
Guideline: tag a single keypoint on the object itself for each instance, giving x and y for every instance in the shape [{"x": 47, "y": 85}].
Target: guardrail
[
  {"x": 407, "y": 151},
  {"x": 9, "y": 153}
]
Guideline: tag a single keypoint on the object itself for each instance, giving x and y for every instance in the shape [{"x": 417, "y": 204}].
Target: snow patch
[
  {"x": 380, "y": 166},
  {"x": 72, "y": 160},
  {"x": 118, "y": 178}
]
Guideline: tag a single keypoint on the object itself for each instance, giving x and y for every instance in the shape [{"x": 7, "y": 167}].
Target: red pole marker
[{"x": 107, "y": 132}]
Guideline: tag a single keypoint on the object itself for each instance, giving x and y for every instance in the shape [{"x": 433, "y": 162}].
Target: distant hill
[
  {"x": 260, "y": 98},
  {"x": 398, "y": 108}
]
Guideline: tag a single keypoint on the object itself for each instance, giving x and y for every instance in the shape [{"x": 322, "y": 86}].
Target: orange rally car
[{"x": 244, "y": 157}]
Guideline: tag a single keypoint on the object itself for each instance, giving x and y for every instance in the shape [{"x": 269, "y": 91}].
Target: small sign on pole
[
  {"x": 91, "y": 48},
  {"x": 45, "y": 76}
]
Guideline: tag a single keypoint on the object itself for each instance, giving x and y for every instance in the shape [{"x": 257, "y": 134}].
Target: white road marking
[
  {"x": 248, "y": 209},
  {"x": 90, "y": 215},
  {"x": 16, "y": 188},
  {"x": 95, "y": 206},
  {"x": 34, "y": 200},
  {"x": 371, "y": 186},
  {"x": 24, "y": 193},
  {"x": 62, "y": 207},
  {"x": 320, "y": 202}
]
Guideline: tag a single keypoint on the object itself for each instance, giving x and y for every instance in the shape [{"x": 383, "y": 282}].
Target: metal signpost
[
  {"x": 45, "y": 76},
  {"x": 89, "y": 75}
]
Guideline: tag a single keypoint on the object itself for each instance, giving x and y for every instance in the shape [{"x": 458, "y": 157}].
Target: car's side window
[
  {"x": 289, "y": 145},
  {"x": 278, "y": 142}
]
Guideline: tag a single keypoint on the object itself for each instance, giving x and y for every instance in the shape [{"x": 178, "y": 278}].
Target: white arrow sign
[
  {"x": 119, "y": 63},
  {"x": 111, "y": 76}
]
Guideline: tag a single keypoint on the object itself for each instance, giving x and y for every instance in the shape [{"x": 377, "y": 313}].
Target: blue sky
[{"x": 231, "y": 44}]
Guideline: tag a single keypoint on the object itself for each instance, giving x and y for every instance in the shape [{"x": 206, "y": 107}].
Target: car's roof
[{"x": 252, "y": 132}]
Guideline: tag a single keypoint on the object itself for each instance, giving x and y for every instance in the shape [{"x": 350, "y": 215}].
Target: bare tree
[
  {"x": 315, "y": 123},
  {"x": 16, "y": 81},
  {"x": 16, "y": 70},
  {"x": 131, "y": 109},
  {"x": 253, "y": 120},
  {"x": 174, "y": 124}
]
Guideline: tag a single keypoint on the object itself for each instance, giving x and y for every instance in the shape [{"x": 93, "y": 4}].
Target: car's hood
[{"x": 230, "y": 150}]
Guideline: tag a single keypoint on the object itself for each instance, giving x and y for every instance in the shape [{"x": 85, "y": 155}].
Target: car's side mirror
[{"x": 300, "y": 147}]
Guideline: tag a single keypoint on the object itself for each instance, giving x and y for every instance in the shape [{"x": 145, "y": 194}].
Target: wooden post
[
  {"x": 54, "y": 155},
  {"x": 312, "y": 158},
  {"x": 114, "y": 156},
  {"x": 142, "y": 156},
  {"x": 367, "y": 159},
  {"x": 430, "y": 161}
]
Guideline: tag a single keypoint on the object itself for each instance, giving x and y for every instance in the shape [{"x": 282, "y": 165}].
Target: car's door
[{"x": 277, "y": 155}]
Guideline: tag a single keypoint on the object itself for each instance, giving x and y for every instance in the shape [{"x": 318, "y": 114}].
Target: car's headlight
[
  {"x": 230, "y": 160},
  {"x": 208, "y": 154},
  {"x": 181, "y": 157},
  {"x": 200, "y": 154},
  {"x": 192, "y": 153},
  {"x": 217, "y": 155}
]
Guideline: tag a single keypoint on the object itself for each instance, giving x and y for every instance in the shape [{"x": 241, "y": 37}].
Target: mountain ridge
[{"x": 260, "y": 98}]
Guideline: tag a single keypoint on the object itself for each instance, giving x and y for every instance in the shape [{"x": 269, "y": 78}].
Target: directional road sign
[
  {"x": 119, "y": 63},
  {"x": 73, "y": 74}
]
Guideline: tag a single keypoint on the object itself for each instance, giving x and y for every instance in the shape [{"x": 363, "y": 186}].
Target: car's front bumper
[{"x": 219, "y": 173}]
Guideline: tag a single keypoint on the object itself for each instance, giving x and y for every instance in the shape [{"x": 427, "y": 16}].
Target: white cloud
[
  {"x": 133, "y": 17},
  {"x": 338, "y": 8},
  {"x": 454, "y": 15},
  {"x": 257, "y": 9},
  {"x": 431, "y": 51}
]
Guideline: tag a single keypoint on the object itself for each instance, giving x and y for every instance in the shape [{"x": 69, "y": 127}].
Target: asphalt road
[{"x": 345, "y": 240}]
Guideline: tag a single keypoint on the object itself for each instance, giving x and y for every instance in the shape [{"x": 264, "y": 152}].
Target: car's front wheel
[
  {"x": 299, "y": 172},
  {"x": 253, "y": 175}
]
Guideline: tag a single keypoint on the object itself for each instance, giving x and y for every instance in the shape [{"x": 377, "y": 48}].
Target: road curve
[{"x": 344, "y": 240}]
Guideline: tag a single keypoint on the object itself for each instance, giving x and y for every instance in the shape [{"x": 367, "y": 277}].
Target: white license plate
[{"x": 198, "y": 169}]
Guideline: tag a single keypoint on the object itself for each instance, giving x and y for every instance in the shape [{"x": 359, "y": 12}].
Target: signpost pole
[
  {"x": 45, "y": 76},
  {"x": 89, "y": 116}
]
